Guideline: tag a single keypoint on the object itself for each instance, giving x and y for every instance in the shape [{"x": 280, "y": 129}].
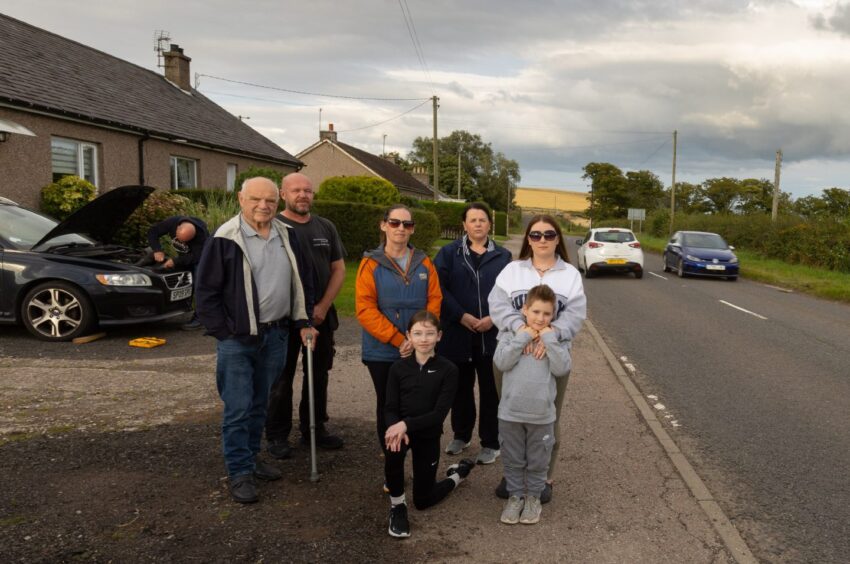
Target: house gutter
[{"x": 104, "y": 124}]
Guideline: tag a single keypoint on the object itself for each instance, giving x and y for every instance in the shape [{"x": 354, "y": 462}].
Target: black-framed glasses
[
  {"x": 394, "y": 223},
  {"x": 549, "y": 235}
]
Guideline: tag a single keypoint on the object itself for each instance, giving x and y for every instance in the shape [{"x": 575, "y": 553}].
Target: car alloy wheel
[
  {"x": 680, "y": 269},
  {"x": 57, "y": 311},
  {"x": 664, "y": 263}
]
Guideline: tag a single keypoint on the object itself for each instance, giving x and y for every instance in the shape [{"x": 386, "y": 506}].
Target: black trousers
[
  {"x": 380, "y": 372},
  {"x": 427, "y": 491},
  {"x": 279, "y": 418},
  {"x": 463, "y": 409}
]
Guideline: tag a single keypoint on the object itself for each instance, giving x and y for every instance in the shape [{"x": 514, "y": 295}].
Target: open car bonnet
[{"x": 101, "y": 218}]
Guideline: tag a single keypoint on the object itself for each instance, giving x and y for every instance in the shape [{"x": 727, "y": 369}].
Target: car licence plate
[
  {"x": 715, "y": 267},
  {"x": 616, "y": 261},
  {"x": 181, "y": 293}
]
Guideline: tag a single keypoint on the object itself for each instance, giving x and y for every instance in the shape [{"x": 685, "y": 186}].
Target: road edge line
[{"x": 727, "y": 532}]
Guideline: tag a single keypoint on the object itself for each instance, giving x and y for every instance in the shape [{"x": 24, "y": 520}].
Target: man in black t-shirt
[{"x": 321, "y": 244}]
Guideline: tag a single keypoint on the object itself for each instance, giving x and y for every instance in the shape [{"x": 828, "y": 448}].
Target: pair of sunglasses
[
  {"x": 549, "y": 235},
  {"x": 394, "y": 223}
]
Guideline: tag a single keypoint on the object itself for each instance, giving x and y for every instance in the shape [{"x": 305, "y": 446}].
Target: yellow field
[{"x": 551, "y": 200}]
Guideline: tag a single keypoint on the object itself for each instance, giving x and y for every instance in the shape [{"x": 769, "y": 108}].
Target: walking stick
[{"x": 314, "y": 472}]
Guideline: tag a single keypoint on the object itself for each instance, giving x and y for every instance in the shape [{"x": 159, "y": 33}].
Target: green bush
[
  {"x": 358, "y": 225},
  {"x": 274, "y": 175},
  {"x": 362, "y": 189},
  {"x": 501, "y": 223},
  {"x": 204, "y": 195},
  {"x": 65, "y": 196},
  {"x": 159, "y": 206}
]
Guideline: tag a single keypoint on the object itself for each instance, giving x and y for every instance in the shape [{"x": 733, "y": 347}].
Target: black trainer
[
  {"x": 265, "y": 471},
  {"x": 399, "y": 525},
  {"x": 502, "y": 490},
  {"x": 462, "y": 468},
  {"x": 279, "y": 448},
  {"x": 243, "y": 489},
  {"x": 546, "y": 496}
]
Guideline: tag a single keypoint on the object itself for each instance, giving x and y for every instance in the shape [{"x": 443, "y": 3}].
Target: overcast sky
[{"x": 552, "y": 84}]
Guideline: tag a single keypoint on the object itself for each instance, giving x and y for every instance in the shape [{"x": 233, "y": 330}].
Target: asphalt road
[{"x": 760, "y": 398}]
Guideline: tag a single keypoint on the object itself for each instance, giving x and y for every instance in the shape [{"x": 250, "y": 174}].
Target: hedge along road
[{"x": 757, "y": 383}]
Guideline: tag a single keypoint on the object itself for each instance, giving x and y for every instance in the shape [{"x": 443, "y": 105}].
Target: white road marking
[
  {"x": 630, "y": 367},
  {"x": 659, "y": 406},
  {"x": 786, "y": 290},
  {"x": 675, "y": 424},
  {"x": 653, "y": 397},
  {"x": 754, "y": 314},
  {"x": 657, "y": 275}
]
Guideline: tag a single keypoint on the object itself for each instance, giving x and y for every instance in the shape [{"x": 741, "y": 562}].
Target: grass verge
[{"x": 819, "y": 282}]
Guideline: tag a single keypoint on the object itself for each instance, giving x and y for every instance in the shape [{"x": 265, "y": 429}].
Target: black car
[{"x": 62, "y": 280}]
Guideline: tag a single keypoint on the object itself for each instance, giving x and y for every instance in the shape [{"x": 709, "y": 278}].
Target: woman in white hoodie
[{"x": 542, "y": 259}]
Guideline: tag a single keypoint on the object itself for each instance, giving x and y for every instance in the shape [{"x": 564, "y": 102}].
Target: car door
[
  {"x": 674, "y": 249},
  {"x": 582, "y": 250}
]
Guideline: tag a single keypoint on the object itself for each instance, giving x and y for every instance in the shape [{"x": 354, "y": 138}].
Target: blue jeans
[{"x": 244, "y": 376}]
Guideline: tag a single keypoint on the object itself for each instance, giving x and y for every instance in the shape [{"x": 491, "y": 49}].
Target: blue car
[{"x": 700, "y": 254}]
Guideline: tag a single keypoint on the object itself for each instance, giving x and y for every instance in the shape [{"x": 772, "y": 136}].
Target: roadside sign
[{"x": 637, "y": 214}]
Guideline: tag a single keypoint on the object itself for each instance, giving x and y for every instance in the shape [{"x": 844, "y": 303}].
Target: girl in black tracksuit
[{"x": 420, "y": 392}]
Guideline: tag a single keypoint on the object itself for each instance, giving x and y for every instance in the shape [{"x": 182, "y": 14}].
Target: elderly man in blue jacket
[{"x": 250, "y": 296}]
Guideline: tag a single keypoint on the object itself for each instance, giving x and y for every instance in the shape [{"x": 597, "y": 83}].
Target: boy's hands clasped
[{"x": 536, "y": 346}]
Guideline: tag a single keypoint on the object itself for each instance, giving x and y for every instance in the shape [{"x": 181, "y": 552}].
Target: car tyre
[
  {"x": 680, "y": 268},
  {"x": 638, "y": 274},
  {"x": 664, "y": 263},
  {"x": 732, "y": 278},
  {"x": 587, "y": 272},
  {"x": 57, "y": 311}
]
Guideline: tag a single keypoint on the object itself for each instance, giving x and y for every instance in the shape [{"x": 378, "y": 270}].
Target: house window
[
  {"x": 184, "y": 173},
  {"x": 73, "y": 158}
]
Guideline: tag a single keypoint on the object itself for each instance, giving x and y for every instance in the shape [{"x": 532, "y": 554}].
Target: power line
[
  {"x": 312, "y": 93},
  {"x": 386, "y": 120},
  {"x": 210, "y": 92},
  {"x": 653, "y": 153},
  {"x": 414, "y": 38},
  {"x": 526, "y": 127}
]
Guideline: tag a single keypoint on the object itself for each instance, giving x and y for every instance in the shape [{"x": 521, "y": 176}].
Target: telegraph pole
[
  {"x": 459, "y": 149},
  {"x": 435, "y": 102},
  {"x": 673, "y": 184},
  {"x": 774, "y": 212}
]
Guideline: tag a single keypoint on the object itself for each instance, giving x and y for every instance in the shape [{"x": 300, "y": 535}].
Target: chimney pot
[{"x": 330, "y": 134}]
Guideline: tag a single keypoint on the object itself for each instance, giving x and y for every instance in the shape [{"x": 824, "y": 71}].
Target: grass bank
[{"x": 818, "y": 282}]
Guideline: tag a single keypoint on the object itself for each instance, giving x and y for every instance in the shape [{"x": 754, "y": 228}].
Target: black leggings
[
  {"x": 426, "y": 458},
  {"x": 380, "y": 373}
]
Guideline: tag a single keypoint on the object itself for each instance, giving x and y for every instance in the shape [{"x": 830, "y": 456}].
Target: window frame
[
  {"x": 175, "y": 178},
  {"x": 80, "y": 147}
]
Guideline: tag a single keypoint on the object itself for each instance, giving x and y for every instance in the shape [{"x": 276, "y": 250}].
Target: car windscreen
[
  {"x": 614, "y": 236},
  {"x": 704, "y": 241},
  {"x": 23, "y": 229}
]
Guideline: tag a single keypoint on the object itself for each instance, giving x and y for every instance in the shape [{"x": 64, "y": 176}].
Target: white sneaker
[
  {"x": 532, "y": 510},
  {"x": 456, "y": 446},
  {"x": 488, "y": 455},
  {"x": 513, "y": 507}
]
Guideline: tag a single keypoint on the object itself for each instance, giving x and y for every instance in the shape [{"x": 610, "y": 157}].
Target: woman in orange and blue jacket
[{"x": 394, "y": 281}]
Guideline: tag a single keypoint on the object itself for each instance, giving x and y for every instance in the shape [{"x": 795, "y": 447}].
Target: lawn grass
[{"x": 819, "y": 282}]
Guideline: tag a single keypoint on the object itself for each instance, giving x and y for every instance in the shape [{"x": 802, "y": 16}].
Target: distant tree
[
  {"x": 837, "y": 202},
  {"x": 689, "y": 198},
  {"x": 721, "y": 194},
  {"x": 614, "y": 192},
  {"x": 484, "y": 175},
  {"x": 274, "y": 175},
  {"x": 756, "y": 196}
]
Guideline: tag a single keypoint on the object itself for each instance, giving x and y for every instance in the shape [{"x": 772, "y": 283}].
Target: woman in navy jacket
[{"x": 467, "y": 269}]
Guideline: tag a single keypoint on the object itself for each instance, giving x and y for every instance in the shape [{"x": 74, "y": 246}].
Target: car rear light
[
  {"x": 634, "y": 245},
  {"x": 593, "y": 245}
]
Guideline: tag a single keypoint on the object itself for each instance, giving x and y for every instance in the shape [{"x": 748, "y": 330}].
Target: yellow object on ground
[{"x": 147, "y": 342}]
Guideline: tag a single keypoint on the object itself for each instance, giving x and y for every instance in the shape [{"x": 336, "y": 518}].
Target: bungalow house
[
  {"x": 330, "y": 157},
  {"x": 66, "y": 108}
]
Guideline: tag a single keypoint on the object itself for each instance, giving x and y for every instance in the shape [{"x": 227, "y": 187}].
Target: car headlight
[
  {"x": 129, "y": 279},
  {"x": 733, "y": 260},
  {"x": 693, "y": 258}
]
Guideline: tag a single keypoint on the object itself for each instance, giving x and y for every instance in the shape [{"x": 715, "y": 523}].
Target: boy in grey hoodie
[{"x": 527, "y": 406}]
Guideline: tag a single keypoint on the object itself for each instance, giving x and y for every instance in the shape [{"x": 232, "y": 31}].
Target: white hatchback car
[{"x": 610, "y": 249}]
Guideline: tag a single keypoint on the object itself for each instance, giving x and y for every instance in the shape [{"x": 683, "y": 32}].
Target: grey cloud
[{"x": 839, "y": 21}]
